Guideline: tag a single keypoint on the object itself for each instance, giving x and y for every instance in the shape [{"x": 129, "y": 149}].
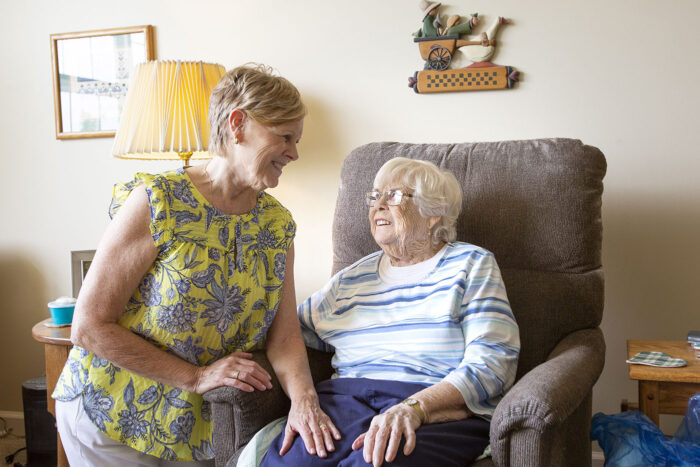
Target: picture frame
[
  {"x": 91, "y": 72},
  {"x": 80, "y": 261}
]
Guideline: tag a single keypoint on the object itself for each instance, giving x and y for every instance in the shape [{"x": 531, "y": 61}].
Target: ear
[
  {"x": 432, "y": 221},
  {"x": 236, "y": 119}
]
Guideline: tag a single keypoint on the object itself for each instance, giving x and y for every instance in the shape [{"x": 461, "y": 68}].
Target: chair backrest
[{"x": 535, "y": 204}]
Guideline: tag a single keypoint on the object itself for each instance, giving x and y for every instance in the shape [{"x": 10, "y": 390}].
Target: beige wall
[{"x": 622, "y": 76}]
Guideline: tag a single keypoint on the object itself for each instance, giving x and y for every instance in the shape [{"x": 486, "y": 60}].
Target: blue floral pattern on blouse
[{"x": 214, "y": 289}]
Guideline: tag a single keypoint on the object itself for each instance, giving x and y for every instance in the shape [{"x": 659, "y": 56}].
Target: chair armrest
[
  {"x": 237, "y": 415},
  {"x": 546, "y": 396}
]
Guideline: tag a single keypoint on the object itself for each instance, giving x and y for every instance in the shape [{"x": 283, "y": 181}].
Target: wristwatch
[{"x": 416, "y": 406}]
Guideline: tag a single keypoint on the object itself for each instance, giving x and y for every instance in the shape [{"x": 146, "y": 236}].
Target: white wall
[{"x": 622, "y": 76}]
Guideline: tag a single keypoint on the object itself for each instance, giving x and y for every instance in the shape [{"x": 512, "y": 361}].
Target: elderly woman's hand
[
  {"x": 313, "y": 425},
  {"x": 381, "y": 441},
  {"x": 237, "y": 370}
]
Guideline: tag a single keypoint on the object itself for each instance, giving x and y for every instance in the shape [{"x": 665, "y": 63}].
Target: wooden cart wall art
[{"x": 437, "y": 45}]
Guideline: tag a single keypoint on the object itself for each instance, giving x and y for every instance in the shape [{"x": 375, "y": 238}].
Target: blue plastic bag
[
  {"x": 631, "y": 439},
  {"x": 690, "y": 426}
]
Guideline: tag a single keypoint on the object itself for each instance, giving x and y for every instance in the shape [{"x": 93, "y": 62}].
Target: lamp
[{"x": 165, "y": 113}]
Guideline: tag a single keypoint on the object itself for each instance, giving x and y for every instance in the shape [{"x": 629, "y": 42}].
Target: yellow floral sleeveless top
[{"x": 213, "y": 290}]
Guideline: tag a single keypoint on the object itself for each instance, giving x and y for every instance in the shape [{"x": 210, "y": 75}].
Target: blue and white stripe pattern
[{"x": 455, "y": 325}]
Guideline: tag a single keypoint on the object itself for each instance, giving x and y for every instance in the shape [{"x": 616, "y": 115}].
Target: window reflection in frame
[{"x": 91, "y": 72}]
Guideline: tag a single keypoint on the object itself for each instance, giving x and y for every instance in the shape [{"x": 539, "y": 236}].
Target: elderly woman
[
  {"x": 194, "y": 271},
  {"x": 424, "y": 339}
]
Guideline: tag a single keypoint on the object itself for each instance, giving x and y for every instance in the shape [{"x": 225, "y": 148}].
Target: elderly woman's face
[
  {"x": 265, "y": 150},
  {"x": 400, "y": 229}
]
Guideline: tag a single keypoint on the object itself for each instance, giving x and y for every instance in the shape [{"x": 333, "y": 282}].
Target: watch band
[{"x": 415, "y": 405}]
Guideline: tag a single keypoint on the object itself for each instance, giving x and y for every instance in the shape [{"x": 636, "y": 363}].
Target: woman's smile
[{"x": 279, "y": 166}]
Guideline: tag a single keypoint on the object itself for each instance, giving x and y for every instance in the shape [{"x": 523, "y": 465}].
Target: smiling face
[
  {"x": 401, "y": 231},
  {"x": 263, "y": 151}
]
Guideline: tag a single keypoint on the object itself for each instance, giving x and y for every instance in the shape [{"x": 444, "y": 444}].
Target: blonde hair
[
  {"x": 254, "y": 88},
  {"x": 436, "y": 192}
]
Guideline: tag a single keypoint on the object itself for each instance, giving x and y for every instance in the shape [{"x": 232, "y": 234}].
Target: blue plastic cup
[{"x": 61, "y": 313}]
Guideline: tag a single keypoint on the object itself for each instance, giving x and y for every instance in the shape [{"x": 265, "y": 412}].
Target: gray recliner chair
[{"x": 537, "y": 206}]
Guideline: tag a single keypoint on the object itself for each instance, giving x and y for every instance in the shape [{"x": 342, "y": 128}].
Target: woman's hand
[
  {"x": 237, "y": 370},
  {"x": 313, "y": 425},
  {"x": 381, "y": 441}
]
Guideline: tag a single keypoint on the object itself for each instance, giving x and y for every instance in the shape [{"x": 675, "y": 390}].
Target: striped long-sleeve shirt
[{"x": 455, "y": 325}]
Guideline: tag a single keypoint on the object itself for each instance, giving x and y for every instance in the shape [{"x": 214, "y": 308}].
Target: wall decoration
[
  {"x": 91, "y": 71},
  {"x": 437, "y": 45},
  {"x": 80, "y": 261}
]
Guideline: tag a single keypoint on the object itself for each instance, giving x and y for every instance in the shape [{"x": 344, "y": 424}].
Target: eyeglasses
[{"x": 392, "y": 197}]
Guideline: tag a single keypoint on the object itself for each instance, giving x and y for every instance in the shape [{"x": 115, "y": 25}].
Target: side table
[
  {"x": 664, "y": 390},
  {"x": 57, "y": 345}
]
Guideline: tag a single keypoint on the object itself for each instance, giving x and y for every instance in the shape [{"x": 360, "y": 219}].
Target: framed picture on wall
[
  {"x": 91, "y": 72},
  {"x": 80, "y": 261}
]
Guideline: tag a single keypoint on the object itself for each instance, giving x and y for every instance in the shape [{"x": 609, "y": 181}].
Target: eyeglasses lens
[
  {"x": 371, "y": 197},
  {"x": 392, "y": 197}
]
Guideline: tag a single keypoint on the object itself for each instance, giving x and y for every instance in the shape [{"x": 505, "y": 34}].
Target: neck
[
  {"x": 400, "y": 257},
  {"x": 225, "y": 189}
]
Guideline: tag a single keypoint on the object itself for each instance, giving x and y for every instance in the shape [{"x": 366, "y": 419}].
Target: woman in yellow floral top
[{"x": 194, "y": 271}]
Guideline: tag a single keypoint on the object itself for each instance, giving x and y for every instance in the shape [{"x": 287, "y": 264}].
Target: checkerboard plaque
[{"x": 463, "y": 79}]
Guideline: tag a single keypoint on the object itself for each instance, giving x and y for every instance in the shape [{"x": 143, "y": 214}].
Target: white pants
[{"x": 86, "y": 445}]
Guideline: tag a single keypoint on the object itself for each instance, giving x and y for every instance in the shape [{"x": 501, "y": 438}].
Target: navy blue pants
[{"x": 352, "y": 403}]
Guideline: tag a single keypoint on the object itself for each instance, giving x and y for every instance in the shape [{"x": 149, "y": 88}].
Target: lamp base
[{"x": 185, "y": 156}]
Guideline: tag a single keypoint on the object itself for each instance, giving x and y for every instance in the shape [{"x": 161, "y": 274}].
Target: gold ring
[
  {"x": 322, "y": 426},
  {"x": 235, "y": 374}
]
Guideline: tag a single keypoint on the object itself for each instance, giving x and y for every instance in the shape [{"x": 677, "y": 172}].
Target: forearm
[
  {"x": 441, "y": 403},
  {"x": 290, "y": 362},
  {"x": 285, "y": 346},
  {"x": 129, "y": 351}
]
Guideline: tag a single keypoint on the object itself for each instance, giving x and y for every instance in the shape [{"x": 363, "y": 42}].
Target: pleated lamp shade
[{"x": 166, "y": 109}]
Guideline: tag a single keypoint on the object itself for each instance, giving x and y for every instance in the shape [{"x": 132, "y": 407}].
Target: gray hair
[
  {"x": 266, "y": 98},
  {"x": 436, "y": 192}
]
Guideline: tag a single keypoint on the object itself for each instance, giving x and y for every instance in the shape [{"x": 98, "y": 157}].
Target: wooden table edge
[
  {"x": 50, "y": 335},
  {"x": 676, "y": 349}
]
